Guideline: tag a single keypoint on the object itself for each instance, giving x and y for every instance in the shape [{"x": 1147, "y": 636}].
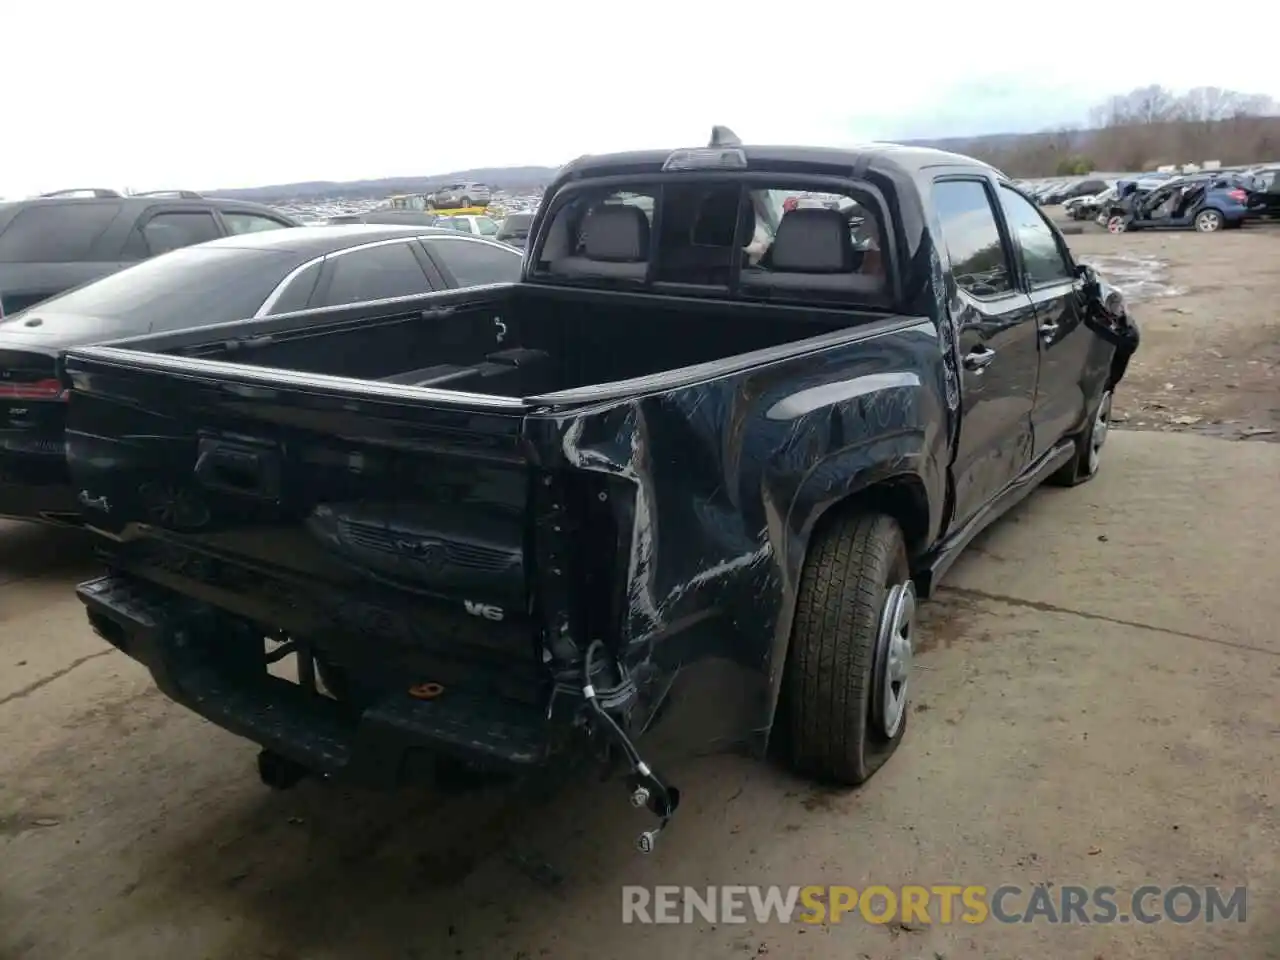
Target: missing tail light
[
  {"x": 1239, "y": 196},
  {"x": 49, "y": 389}
]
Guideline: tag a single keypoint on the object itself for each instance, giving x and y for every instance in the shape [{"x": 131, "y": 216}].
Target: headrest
[
  {"x": 812, "y": 240},
  {"x": 616, "y": 233}
]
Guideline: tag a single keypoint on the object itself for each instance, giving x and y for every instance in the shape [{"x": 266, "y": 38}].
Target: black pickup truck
[{"x": 678, "y": 488}]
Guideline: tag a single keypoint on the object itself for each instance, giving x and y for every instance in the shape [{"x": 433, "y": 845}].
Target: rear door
[
  {"x": 470, "y": 262},
  {"x": 163, "y": 228},
  {"x": 1048, "y": 276},
  {"x": 236, "y": 222},
  {"x": 375, "y": 271},
  {"x": 997, "y": 340}
]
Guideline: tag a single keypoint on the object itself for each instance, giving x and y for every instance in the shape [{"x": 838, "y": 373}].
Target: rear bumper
[
  {"x": 50, "y": 503},
  {"x": 36, "y": 485},
  {"x": 394, "y": 742}
]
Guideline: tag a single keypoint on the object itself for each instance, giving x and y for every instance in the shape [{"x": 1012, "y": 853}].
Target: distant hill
[
  {"x": 989, "y": 143},
  {"x": 513, "y": 179},
  {"x": 1129, "y": 146}
]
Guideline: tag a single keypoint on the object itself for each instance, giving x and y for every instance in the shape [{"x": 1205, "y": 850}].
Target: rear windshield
[
  {"x": 716, "y": 235},
  {"x": 52, "y": 232},
  {"x": 186, "y": 288}
]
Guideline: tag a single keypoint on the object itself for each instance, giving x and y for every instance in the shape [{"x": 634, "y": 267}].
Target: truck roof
[{"x": 886, "y": 157}]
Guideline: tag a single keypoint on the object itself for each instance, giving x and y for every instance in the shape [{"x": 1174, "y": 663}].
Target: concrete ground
[{"x": 1096, "y": 705}]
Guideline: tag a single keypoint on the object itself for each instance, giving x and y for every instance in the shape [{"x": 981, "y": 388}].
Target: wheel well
[{"x": 903, "y": 498}]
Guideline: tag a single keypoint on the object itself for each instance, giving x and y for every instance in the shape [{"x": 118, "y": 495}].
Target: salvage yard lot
[{"x": 1095, "y": 705}]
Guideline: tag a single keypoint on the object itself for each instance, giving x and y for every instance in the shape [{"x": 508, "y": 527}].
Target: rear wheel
[
  {"x": 1209, "y": 221},
  {"x": 849, "y": 662},
  {"x": 466, "y": 201},
  {"x": 1116, "y": 225}
]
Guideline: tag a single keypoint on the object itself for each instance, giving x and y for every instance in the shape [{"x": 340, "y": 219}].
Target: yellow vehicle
[
  {"x": 460, "y": 211},
  {"x": 421, "y": 203}
]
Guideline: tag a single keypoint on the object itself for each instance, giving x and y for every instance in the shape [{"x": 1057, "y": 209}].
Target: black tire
[
  {"x": 1084, "y": 465},
  {"x": 466, "y": 201},
  {"x": 831, "y": 694},
  {"x": 1209, "y": 220}
]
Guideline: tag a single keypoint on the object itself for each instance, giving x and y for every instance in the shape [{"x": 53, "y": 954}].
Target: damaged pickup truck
[{"x": 679, "y": 488}]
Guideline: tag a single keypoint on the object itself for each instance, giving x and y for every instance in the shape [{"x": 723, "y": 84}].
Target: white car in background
[
  {"x": 477, "y": 226},
  {"x": 456, "y": 195}
]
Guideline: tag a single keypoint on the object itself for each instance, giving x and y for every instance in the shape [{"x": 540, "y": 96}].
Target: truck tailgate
[{"x": 388, "y": 526}]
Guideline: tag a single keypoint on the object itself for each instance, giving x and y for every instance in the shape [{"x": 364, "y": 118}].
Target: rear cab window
[
  {"x": 56, "y": 232},
  {"x": 718, "y": 234}
]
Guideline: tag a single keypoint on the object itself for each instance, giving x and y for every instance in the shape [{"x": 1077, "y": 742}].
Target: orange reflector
[{"x": 426, "y": 691}]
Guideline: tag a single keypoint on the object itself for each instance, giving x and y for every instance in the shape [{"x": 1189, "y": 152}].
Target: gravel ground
[
  {"x": 1210, "y": 357},
  {"x": 1095, "y": 706}
]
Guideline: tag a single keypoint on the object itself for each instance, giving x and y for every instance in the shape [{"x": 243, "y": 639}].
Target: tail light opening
[
  {"x": 49, "y": 389},
  {"x": 1238, "y": 195}
]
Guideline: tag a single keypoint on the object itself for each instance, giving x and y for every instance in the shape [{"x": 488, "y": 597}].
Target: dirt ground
[
  {"x": 1095, "y": 705},
  {"x": 1207, "y": 308}
]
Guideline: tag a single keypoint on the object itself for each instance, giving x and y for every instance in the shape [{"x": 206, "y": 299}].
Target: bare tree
[{"x": 1147, "y": 127}]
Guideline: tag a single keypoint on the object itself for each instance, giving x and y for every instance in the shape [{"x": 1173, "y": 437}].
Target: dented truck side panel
[{"x": 724, "y": 483}]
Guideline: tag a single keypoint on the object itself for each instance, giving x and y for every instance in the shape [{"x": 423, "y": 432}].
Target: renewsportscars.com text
[{"x": 941, "y": 903}]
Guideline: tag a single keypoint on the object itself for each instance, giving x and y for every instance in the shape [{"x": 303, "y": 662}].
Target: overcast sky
[{"x": 133, "y": 93}]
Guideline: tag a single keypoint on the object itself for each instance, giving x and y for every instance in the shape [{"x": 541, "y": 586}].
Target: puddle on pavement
[{"x": 1138, "y": 278}]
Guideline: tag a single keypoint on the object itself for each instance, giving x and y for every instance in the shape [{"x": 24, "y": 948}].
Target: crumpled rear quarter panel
[{"x": 728, "y": 478}]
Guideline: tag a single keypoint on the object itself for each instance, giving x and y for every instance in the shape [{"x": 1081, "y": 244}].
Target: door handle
[
  {"x": 1048, "y": 330},
  {"x": 979, "y": 358},
  {"x": 435, "y": 313}
]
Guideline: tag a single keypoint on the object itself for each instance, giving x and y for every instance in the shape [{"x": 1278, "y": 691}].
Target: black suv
[{"x": 57, "y": 241}]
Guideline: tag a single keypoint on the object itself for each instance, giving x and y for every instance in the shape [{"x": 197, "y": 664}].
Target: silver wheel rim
[
  {"x": 1208, "y": 222},
  {"x": 894, "y": 663},
  {"x": 1115, "y": 225},
  {"x": 1098, "y": 435}
]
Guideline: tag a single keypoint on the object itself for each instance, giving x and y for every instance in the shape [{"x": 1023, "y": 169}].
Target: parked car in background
[
  {"x": 1087, "y": 207},
  {"x": 1073, "y": 189},
  {"x": 1206, "y": 202},
  {"x": 58, "y": 241},
  {"x": 254, "y": 275},
  {"x": 478, "y": 226},
  {"x": 1263, "y": 187},
  {"x": 459, "y": 195},
  {"x": 1042, "y": 192},
  {"x": 514, "y": 229}
]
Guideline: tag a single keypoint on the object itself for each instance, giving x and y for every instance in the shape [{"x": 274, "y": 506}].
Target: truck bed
[
  {"x": 511, "y": 341},
  {"x": 462, "y": 490}
]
